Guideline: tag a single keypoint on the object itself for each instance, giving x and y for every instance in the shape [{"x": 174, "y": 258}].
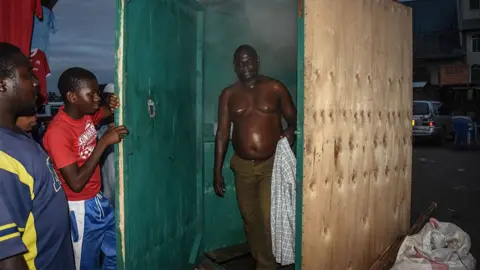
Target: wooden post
[{"x": 357, "y": 131}]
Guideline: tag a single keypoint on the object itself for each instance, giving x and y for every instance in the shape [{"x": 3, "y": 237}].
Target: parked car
[{"x": 431, "y": 121}]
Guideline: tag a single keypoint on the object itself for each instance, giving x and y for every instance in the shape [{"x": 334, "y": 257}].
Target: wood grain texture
[{"x": 357, "y": 131}]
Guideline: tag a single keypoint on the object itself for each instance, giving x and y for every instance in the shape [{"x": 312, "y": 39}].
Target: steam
[{"x": 270, "y": 26}]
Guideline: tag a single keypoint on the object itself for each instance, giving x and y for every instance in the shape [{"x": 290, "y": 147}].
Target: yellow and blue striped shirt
[{"x": 33, "y": 207}]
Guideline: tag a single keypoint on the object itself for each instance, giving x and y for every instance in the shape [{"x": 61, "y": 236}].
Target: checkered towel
[{"x": 283, "y": 204}]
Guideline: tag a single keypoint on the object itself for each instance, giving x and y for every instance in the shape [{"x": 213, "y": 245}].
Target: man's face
[
  {"x": 87, "y": 99},
  {"x": 246, "y": 67},
  {"x": 27, "y": 123},
  {"x": 24, "y": 91}
]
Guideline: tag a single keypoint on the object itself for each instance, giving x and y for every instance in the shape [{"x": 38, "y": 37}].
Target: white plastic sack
[{"x": 438, "y": 246}]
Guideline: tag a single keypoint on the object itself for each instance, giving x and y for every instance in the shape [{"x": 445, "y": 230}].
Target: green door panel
[
  {"x": 300, "y": 139},
  {"x": 223, "y": 223},
  {"x": 162, "y": 154}
]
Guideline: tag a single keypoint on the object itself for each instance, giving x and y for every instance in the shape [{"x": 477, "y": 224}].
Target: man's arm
[
  {"x": 289, "y": 112},
  {"x": 223, "y": 132},
  {"x": 16, "y": 262},
  {"x": 60, "y": 149},
  {"x": 78, "y": 177}
]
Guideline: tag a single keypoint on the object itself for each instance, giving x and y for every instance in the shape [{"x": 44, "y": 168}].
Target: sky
[{"x": 85, "y": 38}]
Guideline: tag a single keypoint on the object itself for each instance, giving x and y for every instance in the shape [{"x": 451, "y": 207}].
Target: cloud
[{"x": 85, "y": 38}]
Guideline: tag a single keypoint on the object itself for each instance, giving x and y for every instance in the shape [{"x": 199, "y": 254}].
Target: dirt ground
[{"x": 451, "y": 178}]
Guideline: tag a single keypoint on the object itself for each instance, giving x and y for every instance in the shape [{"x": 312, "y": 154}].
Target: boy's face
[{"x": 87, "y": 99}]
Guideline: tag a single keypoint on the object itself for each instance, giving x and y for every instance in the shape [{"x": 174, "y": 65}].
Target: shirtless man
[{"x": 255, "y": 105}]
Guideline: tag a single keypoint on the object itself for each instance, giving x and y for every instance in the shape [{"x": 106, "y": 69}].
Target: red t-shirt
[
  {"x": 70, "y": 140},
  {"x": 16, "y": 22},
  {"x": 41, "y": 70}
]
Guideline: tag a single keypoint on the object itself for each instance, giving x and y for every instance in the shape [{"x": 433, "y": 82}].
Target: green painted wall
[{"x": 161, "y": 154}]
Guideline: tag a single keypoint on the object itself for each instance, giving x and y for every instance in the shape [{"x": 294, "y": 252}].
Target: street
[{"x": 451, "y": 179}]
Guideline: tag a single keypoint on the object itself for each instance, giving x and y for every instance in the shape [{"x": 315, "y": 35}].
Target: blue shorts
[{"x": 93, "y": 230}]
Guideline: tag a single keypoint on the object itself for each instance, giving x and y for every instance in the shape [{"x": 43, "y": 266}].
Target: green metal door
[
  {"x": 300, "y": 139},
  {"x": 159, "y": 78}
]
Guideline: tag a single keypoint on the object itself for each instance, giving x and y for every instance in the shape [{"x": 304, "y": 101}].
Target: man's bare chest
[{"x": 249, "y": 101}]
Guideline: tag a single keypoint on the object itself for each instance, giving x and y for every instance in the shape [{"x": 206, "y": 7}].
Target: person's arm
[
  {"x": 60, "y": 148},
  {"x": 223, "y": 132},
  {"x": 78, "y": 177},
  {"x": 11, "y": 245},
  {"x": 289, "y": 112},
  {"x": 16, "y": 262}
]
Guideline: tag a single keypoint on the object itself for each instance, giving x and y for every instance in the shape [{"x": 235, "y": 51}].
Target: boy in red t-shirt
[{"x": 71, "y": 142}]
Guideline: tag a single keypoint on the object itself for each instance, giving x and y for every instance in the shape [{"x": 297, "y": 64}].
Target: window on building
[
  {"x": 475, "y": 73},
  {"x": 476, "y": 43},
  {"x": 474, "y": 4}
]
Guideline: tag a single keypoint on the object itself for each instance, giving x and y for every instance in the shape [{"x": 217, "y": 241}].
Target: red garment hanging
[
  {"x": 16, "y": 22},
  {"x": 41, "y": 70}
]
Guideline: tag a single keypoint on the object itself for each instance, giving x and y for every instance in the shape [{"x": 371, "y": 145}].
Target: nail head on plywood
[
  {"x": 350, "y": 142},
  {"x": 311, "y": 185},
  {"x": 326, "y": 231},
  {"x": 340, "y": 182},
  {"x": 365, "y": 220},
  {"x": 354, "y": 177}
]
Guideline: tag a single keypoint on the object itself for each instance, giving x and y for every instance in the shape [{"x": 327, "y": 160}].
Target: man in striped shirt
[{"x": 34, "y": 221}]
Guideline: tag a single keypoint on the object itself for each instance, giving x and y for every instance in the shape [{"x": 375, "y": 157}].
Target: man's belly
[{"x": 256, "y": 141}]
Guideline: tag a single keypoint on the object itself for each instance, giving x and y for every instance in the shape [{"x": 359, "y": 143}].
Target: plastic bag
[{"x": 438, "y": 246}]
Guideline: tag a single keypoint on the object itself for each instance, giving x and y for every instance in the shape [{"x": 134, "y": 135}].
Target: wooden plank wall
[{"x": 357, "y": 131}]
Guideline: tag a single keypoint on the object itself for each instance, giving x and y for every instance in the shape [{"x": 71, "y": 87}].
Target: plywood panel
[{"x": 357, "y": 131}]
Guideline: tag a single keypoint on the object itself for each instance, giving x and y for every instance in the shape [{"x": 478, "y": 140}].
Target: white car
[{"x": 431, "y": 121}]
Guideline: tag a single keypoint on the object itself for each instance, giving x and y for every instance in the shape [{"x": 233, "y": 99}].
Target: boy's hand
[{"x": 113, "y": 103}]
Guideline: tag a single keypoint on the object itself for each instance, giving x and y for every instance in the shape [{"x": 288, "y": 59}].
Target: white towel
[{"x": 283, "y": 204}]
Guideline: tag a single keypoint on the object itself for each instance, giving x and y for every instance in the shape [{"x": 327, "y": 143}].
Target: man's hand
[
  {"x": 113, "y": 103},
  {"x": 219, "y": 185},
  {"x": 290, "y": 135},
  {"x": 114, "y": 135}
]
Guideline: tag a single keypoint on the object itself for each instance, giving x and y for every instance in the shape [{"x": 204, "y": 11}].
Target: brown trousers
[{"x": 252, "y": 185}]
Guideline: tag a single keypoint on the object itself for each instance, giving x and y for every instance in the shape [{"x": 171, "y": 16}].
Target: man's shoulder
[
  {"x": 271, "y": 82},
  {"x": 18, "y": 155},
  {"x": 231, "y": 88},
  {"x": 14, "y": 142},
  {"x": 58, "y": 123},
  {"x": 57, "y": 128}
]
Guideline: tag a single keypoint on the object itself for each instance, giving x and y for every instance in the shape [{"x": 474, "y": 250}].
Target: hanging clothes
[
  {"x": 41, "y": 70},
  {"x": 16, "y": 22},
  {"x": 42, "y": 30},
  {"x": 283, "y": 190}
]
